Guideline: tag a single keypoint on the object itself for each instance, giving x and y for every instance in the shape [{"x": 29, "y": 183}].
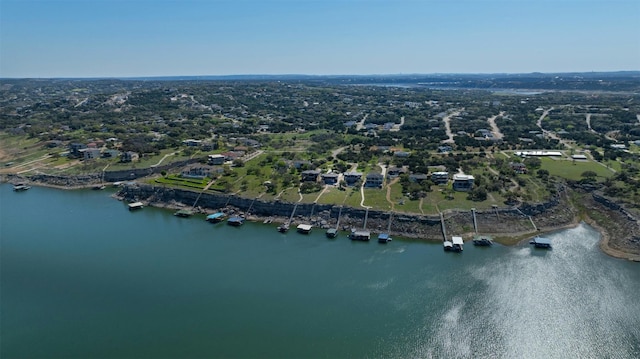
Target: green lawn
[
  {"x": 333, "y": 196},
  {"x": 148, "y": 161},
  {"x": 376, "y": 198},
  {"x": 176, "y": 180},
  {"x": 573, "y": 170},
  {"x": 353, "y": 197},
  {"x": 290, "y": 195}
]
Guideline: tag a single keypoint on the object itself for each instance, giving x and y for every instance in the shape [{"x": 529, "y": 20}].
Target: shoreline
[{"x": 604, "y": 243}]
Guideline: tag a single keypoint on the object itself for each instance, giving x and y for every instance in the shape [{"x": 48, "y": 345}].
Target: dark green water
[{"x": 82, "y": 277}]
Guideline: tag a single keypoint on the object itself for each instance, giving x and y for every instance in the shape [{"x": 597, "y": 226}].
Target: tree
[
  {"x": 589, "y": 174},
  {"x": 544, "y": 174}
]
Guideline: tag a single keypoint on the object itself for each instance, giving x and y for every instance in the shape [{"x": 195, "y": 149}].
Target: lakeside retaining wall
[{"x": 458, "y": 222}]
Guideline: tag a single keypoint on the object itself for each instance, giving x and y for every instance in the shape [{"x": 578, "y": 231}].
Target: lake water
[{"x": 82, "y": 277}]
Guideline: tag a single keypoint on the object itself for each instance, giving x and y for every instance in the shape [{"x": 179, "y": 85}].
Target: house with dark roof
[
  {"x": 215, "y": 159},
  {"x": 310, "y": 176},
  {"x": 374, "y": 179},
  {"x": 394, "y": 172},
  {"x": 440, "y": 177},
  {"x": 89, "y": 153},
  {"x": 418, "y": 177},
  {"x": 352, "y": 177},
  {"x": 329, "y": 178}
]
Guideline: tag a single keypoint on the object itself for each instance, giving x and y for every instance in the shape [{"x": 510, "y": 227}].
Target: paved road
[
  {"x": 494, "y": 128},
  {"x": 360, "y": 125},
  {"x": 447, "y": 125}
]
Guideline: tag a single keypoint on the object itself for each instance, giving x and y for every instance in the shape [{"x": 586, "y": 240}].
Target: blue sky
[{"x": 118, "y": 38}]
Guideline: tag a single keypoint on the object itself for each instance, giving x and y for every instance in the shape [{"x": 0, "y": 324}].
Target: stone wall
[{"x": 497, "y": 220}]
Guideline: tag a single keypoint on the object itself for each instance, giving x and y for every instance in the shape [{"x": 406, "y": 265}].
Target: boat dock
[
  {"x": 21, "y": 187},
  {"x": 360, "y": 235},
  {"x": 304, "y": 228},
  {"x": 482, "y": 240},
  {"x": 216, "y": 217},
  {"x": 235, "y": 221},
  {"x": 135, "y": 205},
  {"x": 541, "y": 242},
  {"x": 333, "y": 232},
  {"x": 183, "y": 213},
  {"x": 384, "y": 238},
  {"x": 455, "y": 245}
]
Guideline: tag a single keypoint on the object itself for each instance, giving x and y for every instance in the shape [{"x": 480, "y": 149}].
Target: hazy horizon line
[{"x": 318, "y": 75}]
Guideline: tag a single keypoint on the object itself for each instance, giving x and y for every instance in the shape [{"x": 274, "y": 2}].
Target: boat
[
  {"x": 541, "y": 242},
  {"x": 482, "y": 241},
  {"x": 183, "y": 213},
  {"x": 21, "y": 187},
  {"x": 135, "y": 205},
  {"x": 283, "y": 228},
  {"x": 384, "y": 238},
  {"x": 360, "y": 235},
  {"x": 235, "y": 221},
  {"x": 332, "y": 233},
  {"x": 216, "y": 217},
  {"x": 457, "y": 244},
  {"x": 304, "y": 228},
  {"x": 99, "y": 187}
]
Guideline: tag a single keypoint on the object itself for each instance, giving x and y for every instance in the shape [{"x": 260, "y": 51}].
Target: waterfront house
[
  {"x": 374, "y": 180},
  {"x": 310, "y": 176},
  {"x": 215, "y": 159},
  {"x": 89, "y": 153},
  {"x": 232, "y": 155},
  {"x": 462, "y": 182},
  {"x": 74, "y": 149},
  {"x": 329, "y": 178},
  {"x": 196, "y": 171},
  {"x": 440, "y": 177},
  {"x": 192, "y": 143},
  {"x": 352, "y": 177}
]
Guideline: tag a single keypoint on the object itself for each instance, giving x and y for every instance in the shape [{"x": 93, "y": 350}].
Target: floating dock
[{"x": 332, "y": 233}]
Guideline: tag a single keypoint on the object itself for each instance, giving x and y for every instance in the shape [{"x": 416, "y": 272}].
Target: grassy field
[
  {"x": 176, "y": 180},
  {"x": 573, "y": 169},
  {"x": 353, "y": 197},
  {"x": 333, "y": 195},
  {"x": 376, "y": 199}
]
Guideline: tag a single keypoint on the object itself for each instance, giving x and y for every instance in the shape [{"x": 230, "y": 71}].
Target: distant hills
[{"x": 626, "y": 81}]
